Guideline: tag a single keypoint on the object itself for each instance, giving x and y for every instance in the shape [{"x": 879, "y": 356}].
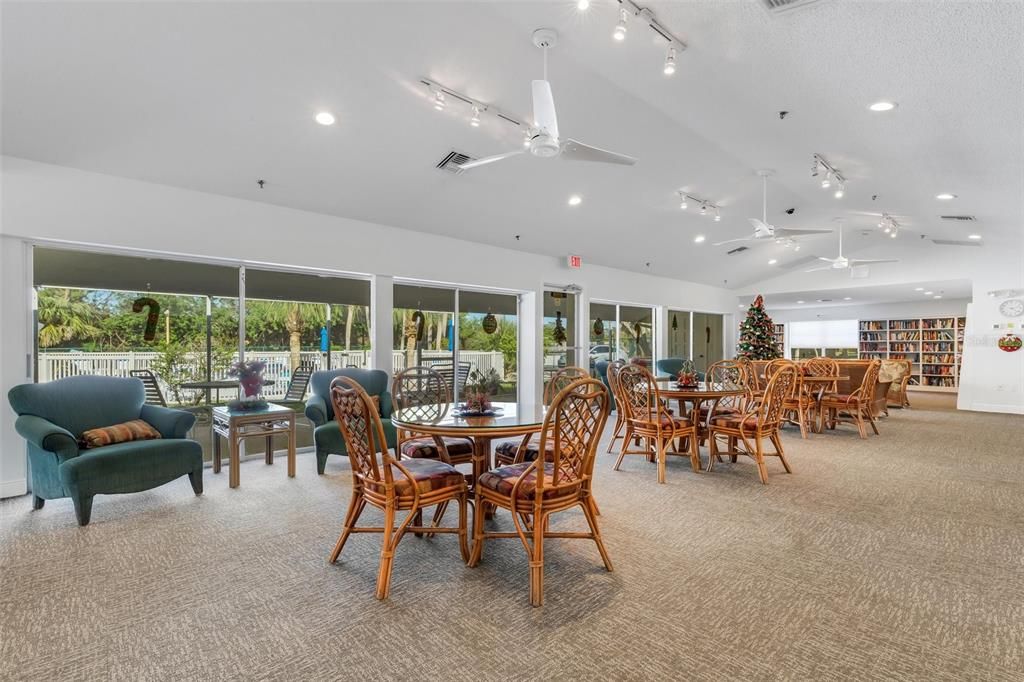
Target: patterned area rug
[{"x": 899, "y": 557}]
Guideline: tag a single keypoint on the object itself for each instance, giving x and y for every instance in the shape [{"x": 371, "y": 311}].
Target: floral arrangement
[
  {"x": 480, "y": 386},
  {"x": 687, "y": 374},
  {"x": 250, "y": 377}
]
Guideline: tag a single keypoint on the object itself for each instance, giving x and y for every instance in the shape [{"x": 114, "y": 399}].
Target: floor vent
[
  {"x": 954, "y": 242},
  {"x": 738, "y": 249},
  {"x": 452, "y": 162},
  {"x": 780, "y": 6},
  {"x": 959, "y": 218}
]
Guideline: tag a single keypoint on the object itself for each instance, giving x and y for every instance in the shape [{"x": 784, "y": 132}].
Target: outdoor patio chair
[{"x": 154, "y": 396}]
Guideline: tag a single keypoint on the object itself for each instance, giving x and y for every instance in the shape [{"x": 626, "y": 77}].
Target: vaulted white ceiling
[{"x": 214, "y": 96}]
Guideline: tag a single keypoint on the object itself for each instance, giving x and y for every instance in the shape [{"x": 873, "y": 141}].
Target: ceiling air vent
[
  {"x": 452, "y": 162},
  {"x": 738, "y": 249},
  {"x": 779, "y": 6},
  {"x": 954, "y": 242},
  {"x": 959, "y": 218}
]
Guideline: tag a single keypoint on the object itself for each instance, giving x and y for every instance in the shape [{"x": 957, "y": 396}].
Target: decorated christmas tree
[{"x": 757, "y": 339}]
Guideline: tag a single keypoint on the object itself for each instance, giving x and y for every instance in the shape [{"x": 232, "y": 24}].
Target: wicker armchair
[
  {"x": 382, "y": 481},
  {"x": 897, "y": 396},
  {"x": 799, "y": 405},
  {"x": 425, "y": 391},
  {"x": 527, "y": 449},
  {"x": 855, "y": 407},
  {"x": 762, "y": 419},
  {"x": 533, "y": 491},
  {"x": 649, "y": 419}
]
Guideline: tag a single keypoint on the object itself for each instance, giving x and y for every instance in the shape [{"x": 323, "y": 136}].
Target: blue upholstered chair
[
  {"x": 327, "y": 434},
  {"x": 601, "y": 367},
  {"x": 52, "y": 416},
  {"x": 670, "y": 366}
]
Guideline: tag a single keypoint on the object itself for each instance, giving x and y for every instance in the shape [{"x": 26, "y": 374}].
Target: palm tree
[
  {"x": 295, "y": 318},
  {"x": 65, "y": 315}
]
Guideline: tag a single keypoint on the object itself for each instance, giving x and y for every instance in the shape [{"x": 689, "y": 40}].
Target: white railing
[{"x": 57, "y": 365}]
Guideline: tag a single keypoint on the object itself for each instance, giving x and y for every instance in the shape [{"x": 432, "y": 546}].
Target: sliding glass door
[
  {"x": 708, "y": 339},
  {"x": 622, "y": 332},
  {"x": 559, "y": 333},
  {"x": 678, "y": 334}
]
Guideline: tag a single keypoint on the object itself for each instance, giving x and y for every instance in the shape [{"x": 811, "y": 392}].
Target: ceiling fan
[
  {"x": 545, "y": 142},
  {"x": 764, "y": 231},
  {"x": 841, "y": 262}
]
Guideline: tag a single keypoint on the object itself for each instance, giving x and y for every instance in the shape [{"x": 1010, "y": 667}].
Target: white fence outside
[{"x": 57, "y": 365}]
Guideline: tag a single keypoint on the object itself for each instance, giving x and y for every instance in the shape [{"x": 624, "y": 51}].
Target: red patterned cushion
[
  {"x": 506, "y": 451},
  {"x": 136, "y": 429},
  {"x": 704, "y": 409},
  {"x": 502, "y": 479},
  {"x": 837, "y": 397},
  {"x": 429, "y": 474},
  {"x": 427, "y": 448},
  {"x": 732, "y": 421}
]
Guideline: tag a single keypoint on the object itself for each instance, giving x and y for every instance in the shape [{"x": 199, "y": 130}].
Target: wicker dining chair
[
  {"x": 728, "y": 373},
  {"x": 533, "y": 491},
  {"x": 382, "y": 481},
  {"x": 613, "y": 385},
  {"x": 649, "y": 419},
  {"x": 855, "y": 407},
  {"x": 424, "y": 391},
  {"x": 820, "y": 367},
  {"x": 799, "y": 404},
  {"x": 762, "y": 419},
  {"x": 527, "y": 448}
]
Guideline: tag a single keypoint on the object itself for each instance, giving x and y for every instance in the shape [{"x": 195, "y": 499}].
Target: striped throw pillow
[{"x": 137, "y": 429}]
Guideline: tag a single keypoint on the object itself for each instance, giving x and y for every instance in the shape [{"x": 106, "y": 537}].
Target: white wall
[
  {"x": 876, "y": 311},
  {"x": 46, "y": 202}
]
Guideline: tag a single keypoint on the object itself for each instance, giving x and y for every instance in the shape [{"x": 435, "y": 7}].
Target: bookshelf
[
  {"x": 780, "y": 339},
  {"x": 933, "y": 345}
]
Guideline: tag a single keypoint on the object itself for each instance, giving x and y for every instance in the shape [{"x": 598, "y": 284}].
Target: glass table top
[
  {"x": 507, "y": 415},
  {"x": 270, "y": 409}
]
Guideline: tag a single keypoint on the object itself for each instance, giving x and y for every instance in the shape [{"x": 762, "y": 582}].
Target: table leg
[
  {"x": 481, "y": 465},
  {"x": 233, "y": 458},
  {"x": 216, "y": 448},
  {"x": 291, "y": 447},
  {"x": 268, "y": 453}
]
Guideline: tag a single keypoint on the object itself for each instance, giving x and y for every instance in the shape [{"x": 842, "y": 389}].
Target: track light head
[
  {"x": 827, "y": 182},
  {"x": 682, "y": 203},
  {"x": 704, "y": 209},
  {"x": 718, "y": 216},
  {"x": 840, "y": 191},
  {"x": 475, "y": 119},
  {"x": 439, "y": 101},
  {"x": 670, "y": 62},
  {"x": 620, "y": 28}
]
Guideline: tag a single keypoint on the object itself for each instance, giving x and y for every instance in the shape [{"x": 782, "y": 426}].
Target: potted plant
[
  {"x": 477, "y": 393},
  {"x": 250, "y": 382}
]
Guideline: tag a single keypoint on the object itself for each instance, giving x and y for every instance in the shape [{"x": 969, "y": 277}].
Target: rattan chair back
[
  {"x": 422, "y": 392},
  {"x": 361, "y": 428},
  {"x": 563, "y": 378}
]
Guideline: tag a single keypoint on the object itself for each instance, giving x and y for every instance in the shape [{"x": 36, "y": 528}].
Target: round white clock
[{"x": 1012, "y": 307}]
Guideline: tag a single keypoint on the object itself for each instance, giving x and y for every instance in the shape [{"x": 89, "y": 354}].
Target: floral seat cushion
[
  {"x": 502, "y": 479},
  {"x": 426, "y": 448},
  {"x": 506, "y": 451},
  {"x": 428, "y": 475},
  {"x": 733, "y": 421}
]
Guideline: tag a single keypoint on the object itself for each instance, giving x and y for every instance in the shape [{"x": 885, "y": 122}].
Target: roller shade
[{"x": 823, "y": 334}]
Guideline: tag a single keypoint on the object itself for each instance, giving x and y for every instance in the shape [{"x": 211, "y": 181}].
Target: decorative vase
[{"x": 251, "y": 388}]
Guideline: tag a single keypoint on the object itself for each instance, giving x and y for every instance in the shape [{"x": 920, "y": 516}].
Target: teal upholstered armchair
[
  {"x": 52, "y": 416},
  {"x": 670, "y": 366},
  {"x": 327, "y": 434}
]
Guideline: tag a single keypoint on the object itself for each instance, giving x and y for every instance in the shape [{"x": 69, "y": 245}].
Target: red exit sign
[{"x": 575, "y": 262}]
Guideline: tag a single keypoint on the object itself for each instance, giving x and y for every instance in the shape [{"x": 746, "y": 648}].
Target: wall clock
[{"x": 1012, "y": 307}]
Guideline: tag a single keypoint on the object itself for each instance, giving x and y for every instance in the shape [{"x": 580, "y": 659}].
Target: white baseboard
[{"x": 15, "y": 488}]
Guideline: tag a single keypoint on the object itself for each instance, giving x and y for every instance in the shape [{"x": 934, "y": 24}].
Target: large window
[
  {"x": 621, "y": 332},
  {"x": 825, "y": 338},
  {"x": 559, "y": 332},
  {"x": 483, "y": 348}
]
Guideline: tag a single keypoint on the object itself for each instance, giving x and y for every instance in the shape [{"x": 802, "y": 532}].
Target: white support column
[
  {"x": 382, "y": 333},
  {"x": 531, "y": 346},
  {"x": 582, "y": 339},
  {"x": 661, "y": 338},
  {"x": 16, "y": 359}
]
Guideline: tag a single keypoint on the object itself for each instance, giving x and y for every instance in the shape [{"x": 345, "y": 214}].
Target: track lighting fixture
[
  {"x": 475, "y": 120},
  {"x": 670, "y": 62},
  {"x": 620, "y": 28},
  {"x": 822, "y": 168},
  {"x": 686, "y": 199},
  {"x": 889, "y": 225},
  {"x": 439, "y": 102}
]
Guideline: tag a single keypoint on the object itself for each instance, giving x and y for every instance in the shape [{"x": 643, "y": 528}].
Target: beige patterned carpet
[{"x": 900, "y": 557}]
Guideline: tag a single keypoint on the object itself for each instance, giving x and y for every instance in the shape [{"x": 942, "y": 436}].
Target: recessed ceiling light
[
  {"x": 575, "y": 200},
  {"x": 918, "y": 288},
  {"x": 773, "y": 261},
  {"x": 325, "y": 118},
  {"x": 583, "y": 5},
  {"x": 882, "y": 106},
  {"x": 620, "y": 28},
  {"x": 974, "y": 236},
  {"x": 927, "y": 293},
  {"x": 936, "y": 296},
  {"x": 799, "y": 301},
  {"x": 945, "y": 196},
  {"x": 699, "y": 238},
  {"x": 847, "y": 298}
]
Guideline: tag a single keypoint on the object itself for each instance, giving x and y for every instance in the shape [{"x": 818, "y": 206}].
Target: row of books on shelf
[
  {"x": 937, "y": 370},
  {"x": 873, "y": 325},
  {"x": 945, "y": 381},
  {"x": 943, "y": 359},
  {"x": 937, "y": 323}
]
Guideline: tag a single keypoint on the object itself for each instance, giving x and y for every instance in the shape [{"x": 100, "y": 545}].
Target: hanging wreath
[
  {"x": 152, "y": 318},
  {"x": 418, "y": 318},
  {"x": 598, "y": 328},
  {"x": 490, "y": 323},
  {"x": 1010, "y": 343},
  {"x": 559, "y": 334}
]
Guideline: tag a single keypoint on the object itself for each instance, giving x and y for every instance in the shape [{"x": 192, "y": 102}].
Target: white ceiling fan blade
[
  {"x": 573, "y": 150},
  {"x": 544, "y": 108},
  {"x": 730, "y": 241},
  {"x": 760, "y": 225},
  {"x": 861, "y": 261},
  {"x": 827, "y": 260},
  {"x": 489, "y": 159},
  {"x": 796, "y": 232},
  {"x": 820, "y": 268}
]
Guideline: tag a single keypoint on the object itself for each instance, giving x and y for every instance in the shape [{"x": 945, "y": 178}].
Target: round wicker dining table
[{"x": 703, "y": 392}]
